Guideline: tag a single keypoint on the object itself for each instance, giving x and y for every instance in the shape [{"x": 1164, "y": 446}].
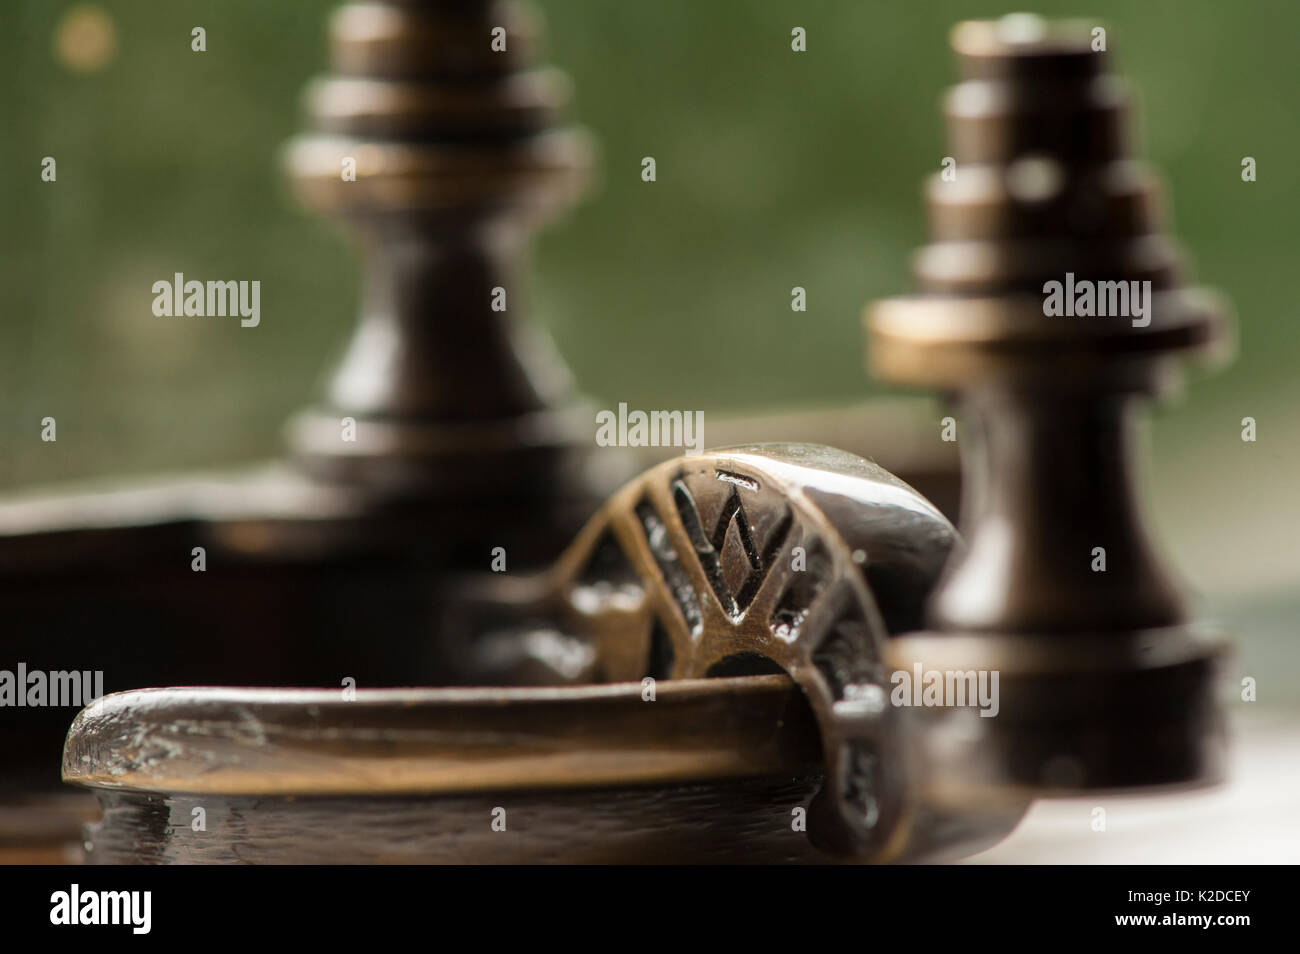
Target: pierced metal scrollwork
[
  {"x": 760, "y": 560},
  {"x": 729, "y": 579}
]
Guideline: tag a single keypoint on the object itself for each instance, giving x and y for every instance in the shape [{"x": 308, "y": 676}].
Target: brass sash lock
[{"x": 740, "y": 646}]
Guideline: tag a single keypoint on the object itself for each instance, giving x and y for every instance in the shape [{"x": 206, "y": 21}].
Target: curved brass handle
[{"x": 744, "y": 563}]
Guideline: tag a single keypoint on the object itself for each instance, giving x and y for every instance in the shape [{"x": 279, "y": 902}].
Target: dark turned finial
[
  {"x": 457, "y": 152},
  {"x": 1046, "y": 191}
]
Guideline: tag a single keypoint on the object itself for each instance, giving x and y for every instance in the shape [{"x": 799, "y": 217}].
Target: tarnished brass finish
[
  {"x": 442, "y": 160},
  {"x": 776, "y": 558},
  {"x": 408, "y": 41},
  {"x": 1104, "y": 682},
  {"x": 466, "y": 434},
  {"x": 332, "y": 562},
  {"x": 699, "y": 591},
  {"x": 422, "y": 741},
  {"x": 719, "y": 641}
]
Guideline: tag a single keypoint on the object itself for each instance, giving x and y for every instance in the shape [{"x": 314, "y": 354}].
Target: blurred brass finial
[
  {"x": 1048, "y": 299},
  {"x": 438, "y": 141}
]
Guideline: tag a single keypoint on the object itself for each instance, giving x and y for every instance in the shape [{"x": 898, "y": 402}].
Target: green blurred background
[{"x": 775, "y": 169}]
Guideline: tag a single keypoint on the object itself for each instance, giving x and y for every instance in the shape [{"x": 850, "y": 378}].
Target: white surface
[{"x": 1254, "y": 818}]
